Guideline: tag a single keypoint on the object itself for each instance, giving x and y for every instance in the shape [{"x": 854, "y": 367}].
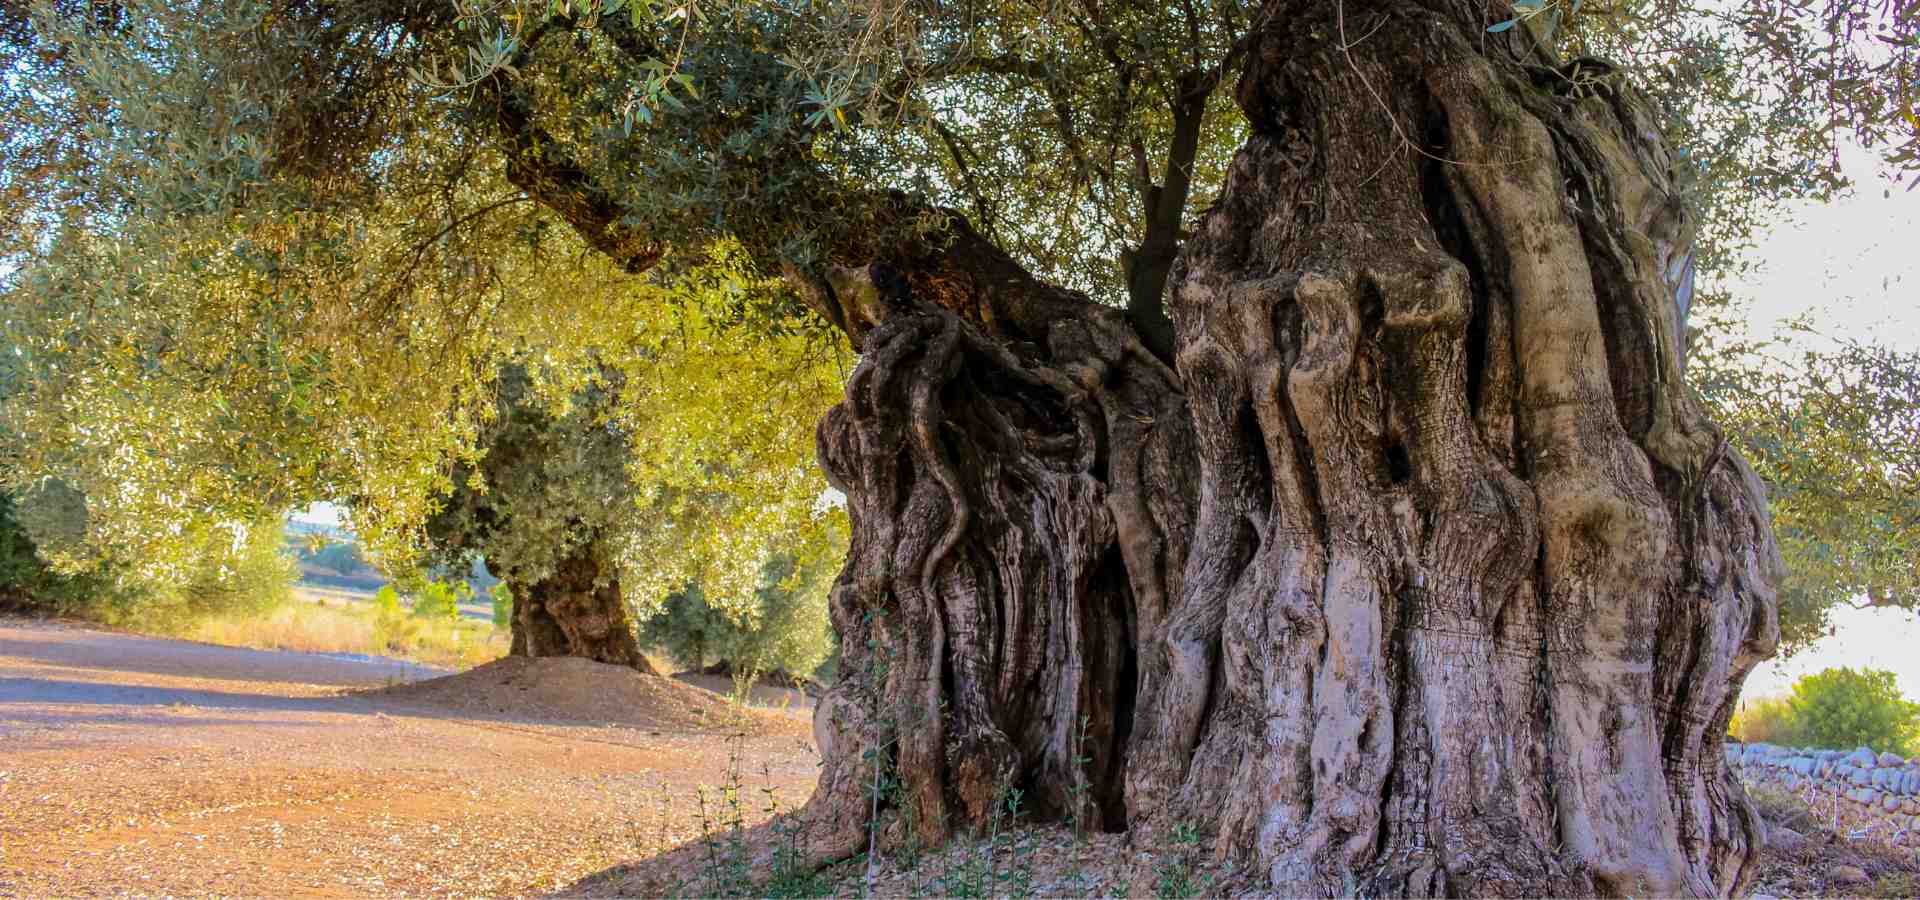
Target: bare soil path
[{"x": 136, "y": 765}]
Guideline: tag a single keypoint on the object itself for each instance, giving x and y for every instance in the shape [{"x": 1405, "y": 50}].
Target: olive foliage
[
  {"x": 257, "y": 253},
  {"x": 1836, "y": 435},
  {"x": 783, "y": 628}
]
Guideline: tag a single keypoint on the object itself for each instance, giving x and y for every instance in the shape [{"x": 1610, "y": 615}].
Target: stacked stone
[{"x": 1882, "y": 784}]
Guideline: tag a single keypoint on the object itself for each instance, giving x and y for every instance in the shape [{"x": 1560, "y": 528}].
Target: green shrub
[
  {"x": 255, "y": 579},
  {"x": 249, "y": 576},
  {"x": 783, "y": 627},
  {"x": 1768, "y": 720},
  {"x": 393, "y": 629},
  {"x": 386, "y": 601},
  {"x": 439, "y": 600},
  {"x": 1848, "y": 708},
  {"x": 27, "y": 583},
  {"x": 502, "y": 604}
]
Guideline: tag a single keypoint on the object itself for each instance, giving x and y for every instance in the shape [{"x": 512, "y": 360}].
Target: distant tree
[
  {"x": 342, "y": 557},
  {"x": 784, "y": 627},
  {"x": 601, "y": 486},
  {"x": 1845, "y": 707},
  {"x": 541, "y": 504}
]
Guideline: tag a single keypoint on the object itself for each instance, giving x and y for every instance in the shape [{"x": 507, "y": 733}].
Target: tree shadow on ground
[
  {"x": 17, "y": 692},
  {"x": 761, "y": 860},
  {"x": 99, "y": 693},
  {"x": 81, "y": 645}
]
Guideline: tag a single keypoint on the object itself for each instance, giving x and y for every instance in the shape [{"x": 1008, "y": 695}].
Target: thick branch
[
  {"x": 535, "y": 165},
  {"x": 1163, "y": 204}
]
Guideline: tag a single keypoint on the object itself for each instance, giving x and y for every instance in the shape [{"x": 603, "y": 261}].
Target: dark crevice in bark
[
  {"x": 1442, "y": 206},
  {"x": 1109, "y": 776},
  {"x": 1399, "y": 468}
]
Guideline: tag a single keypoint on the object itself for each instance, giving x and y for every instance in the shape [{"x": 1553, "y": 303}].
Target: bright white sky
[
  {"x": 319, "y": 514},
  {"x": 1854, "y": 266}
]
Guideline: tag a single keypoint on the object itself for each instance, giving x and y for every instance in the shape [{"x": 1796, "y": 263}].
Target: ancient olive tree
[
  {"x": 1270, "y": 417},
  {"x": 539, "y": 506},
  {"x": 591, "y": 495}
]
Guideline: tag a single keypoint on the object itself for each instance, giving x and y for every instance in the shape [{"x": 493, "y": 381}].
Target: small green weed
[{"x": 1175, "y": 875}]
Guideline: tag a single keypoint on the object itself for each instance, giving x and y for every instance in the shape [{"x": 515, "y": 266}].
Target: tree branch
[{"x": 560, "y": 184}]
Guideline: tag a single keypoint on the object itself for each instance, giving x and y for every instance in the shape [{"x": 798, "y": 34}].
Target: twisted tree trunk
[
  {"x": 1423, "y": 574},
  {"x": 574, "y": 611}
]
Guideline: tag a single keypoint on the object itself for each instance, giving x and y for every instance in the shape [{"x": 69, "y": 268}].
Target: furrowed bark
[
  {"x": 1015, "y": 462},
  {"x": 1422, "y": 573}
]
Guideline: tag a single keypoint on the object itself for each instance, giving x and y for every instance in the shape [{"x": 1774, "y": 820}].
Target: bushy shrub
[
  {"x": 27, "y": 583},
  {"x": 258, "y": 577},
  {"x": 252, "y": 574},
  {"x": 1848, "y": 708},
  {"x": 386, "y": 601},
  {"x": 393, "y": 629},
  {"x": 1768, "y": 720},
  {"x": 1834, "y": 709},
  {"x": 439, "y": 600},
  {"x": 502, "y": 604},
  {"x": 782, "y": 628}
]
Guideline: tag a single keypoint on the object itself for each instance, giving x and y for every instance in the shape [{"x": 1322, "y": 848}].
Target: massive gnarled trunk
[
  {"x": 574, "y": 611},
  {"x": 1422, "y": 573}
]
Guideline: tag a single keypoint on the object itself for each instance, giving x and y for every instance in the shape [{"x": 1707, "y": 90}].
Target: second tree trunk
[{"x": 575, "y": 611}]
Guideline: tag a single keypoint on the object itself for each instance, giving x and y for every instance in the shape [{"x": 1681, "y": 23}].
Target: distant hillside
[
  {"x": 298, "y": 528},
  {"x": 336, "y": 561}
]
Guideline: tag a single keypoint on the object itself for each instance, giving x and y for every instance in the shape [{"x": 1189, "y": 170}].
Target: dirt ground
[
  {"x": 143, "y": 766},
  {"x": 135, "y": 765}
]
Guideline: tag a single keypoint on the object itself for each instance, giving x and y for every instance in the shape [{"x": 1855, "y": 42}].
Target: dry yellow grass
[{"x": 318, "y": 625}]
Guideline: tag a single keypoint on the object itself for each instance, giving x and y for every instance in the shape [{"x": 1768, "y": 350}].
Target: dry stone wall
[{"x": 1872, "y": 791}]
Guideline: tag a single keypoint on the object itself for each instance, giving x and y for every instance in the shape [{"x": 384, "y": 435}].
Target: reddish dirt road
[{"x": 149, "y": 766}]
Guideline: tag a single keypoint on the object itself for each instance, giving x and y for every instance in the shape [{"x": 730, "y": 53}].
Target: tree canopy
[
  {"x": 1837, "y": 437},
  {"x": 259, "y": 253}
]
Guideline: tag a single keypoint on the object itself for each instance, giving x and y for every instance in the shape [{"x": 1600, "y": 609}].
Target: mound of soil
[{"x": 565, "y": 689}]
